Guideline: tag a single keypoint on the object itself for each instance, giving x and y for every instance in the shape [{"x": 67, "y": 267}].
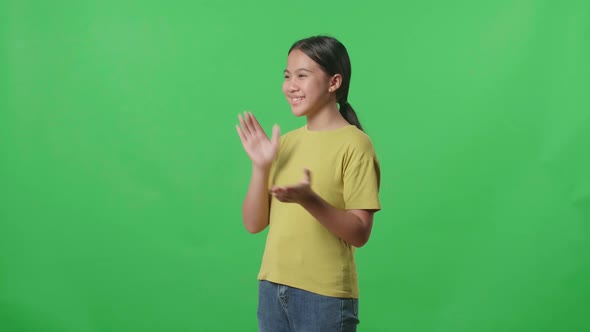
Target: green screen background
[{"x": 121, "y": 174}]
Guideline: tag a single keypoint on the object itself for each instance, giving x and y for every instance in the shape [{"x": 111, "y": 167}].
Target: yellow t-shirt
[{"x": 301, "y": 252}]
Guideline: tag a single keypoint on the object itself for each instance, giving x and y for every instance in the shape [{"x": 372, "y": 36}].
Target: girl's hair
[{"x": 333, "y": 58}]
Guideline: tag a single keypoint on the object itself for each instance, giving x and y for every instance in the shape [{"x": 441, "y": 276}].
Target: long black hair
[{"x": 333, "y": 58}]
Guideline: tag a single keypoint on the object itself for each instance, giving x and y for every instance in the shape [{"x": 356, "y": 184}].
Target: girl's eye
[{"x": 301, "y": 75}]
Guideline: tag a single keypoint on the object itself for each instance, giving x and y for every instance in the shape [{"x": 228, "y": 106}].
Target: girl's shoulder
[{"x": 358, "y": 139}]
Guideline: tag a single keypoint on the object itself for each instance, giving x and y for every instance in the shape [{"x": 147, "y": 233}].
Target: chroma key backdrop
[{"x": 122, "y": 176}]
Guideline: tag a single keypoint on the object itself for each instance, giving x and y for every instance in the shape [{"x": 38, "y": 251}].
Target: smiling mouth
[{"x": 296, "y": 100}]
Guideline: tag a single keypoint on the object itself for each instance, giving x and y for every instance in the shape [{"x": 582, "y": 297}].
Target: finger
[
  {"x": 245, "y": 129},
  {"x": 275, "y": 193},
  {"x": 241, "y": 134},
  {"x": 277, "y": 189},
  {"x": 282, "y": 196},
  {"x": 250, "y": 123},
  {"x": 307, "y": 173},
  {"x": 287, "y": 192},
  {"x": 276, "y": 134},
  {"x": 280, "y": 193},
  {"x": 256, "y": 124}
]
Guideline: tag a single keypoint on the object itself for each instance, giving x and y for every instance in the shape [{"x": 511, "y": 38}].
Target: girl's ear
[{"x": 335, "y": 82}]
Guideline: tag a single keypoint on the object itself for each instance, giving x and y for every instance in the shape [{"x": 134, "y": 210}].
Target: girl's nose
[{"x": 292, "y": 86}]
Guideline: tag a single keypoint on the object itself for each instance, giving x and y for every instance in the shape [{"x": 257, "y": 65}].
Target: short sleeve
[{"x": 361, "y": 183}]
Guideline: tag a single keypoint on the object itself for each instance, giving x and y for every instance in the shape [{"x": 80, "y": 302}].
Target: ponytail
[{"x": 349, "y": 114}]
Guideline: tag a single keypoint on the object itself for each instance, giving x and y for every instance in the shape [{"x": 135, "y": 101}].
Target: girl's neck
[{"x": 328, "y": 118}]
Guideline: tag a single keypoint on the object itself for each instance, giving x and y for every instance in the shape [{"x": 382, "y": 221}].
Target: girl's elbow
[
  {"x": 359, "y": 243},
  {"x": 254, "y": 228},
  {"x": 361, "y": 240}
]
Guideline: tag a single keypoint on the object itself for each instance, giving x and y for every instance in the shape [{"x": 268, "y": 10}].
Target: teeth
[{"x": 297, "y": 99}]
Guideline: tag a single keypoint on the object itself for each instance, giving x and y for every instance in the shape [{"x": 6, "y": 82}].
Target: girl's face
[{"x": 307, "y": 87}]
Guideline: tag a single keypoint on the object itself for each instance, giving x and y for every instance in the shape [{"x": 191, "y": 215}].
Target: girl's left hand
[{"x": 297, "y": 193}]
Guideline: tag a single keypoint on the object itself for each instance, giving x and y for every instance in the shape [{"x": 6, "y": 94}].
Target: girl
[{"x": 324, "y": 180}]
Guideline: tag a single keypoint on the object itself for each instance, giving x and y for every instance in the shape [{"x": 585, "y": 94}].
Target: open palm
[
  {"x": 261, "y": 150},
  {"x": 297, "y": 193}
]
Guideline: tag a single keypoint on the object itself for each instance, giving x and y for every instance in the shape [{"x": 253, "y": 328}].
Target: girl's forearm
[
  {"x": 346, "y": 225},
  {"x": 255, "y": 209}
]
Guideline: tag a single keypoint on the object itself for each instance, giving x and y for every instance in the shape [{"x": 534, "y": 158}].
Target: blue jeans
[{"x": 286, "y": 309}]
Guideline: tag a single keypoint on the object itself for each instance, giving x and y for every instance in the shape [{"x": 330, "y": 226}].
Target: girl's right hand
[{"x": 259, "y": 148}]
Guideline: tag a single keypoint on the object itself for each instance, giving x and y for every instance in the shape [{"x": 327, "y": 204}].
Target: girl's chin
[{"x": 298, "y": 111}]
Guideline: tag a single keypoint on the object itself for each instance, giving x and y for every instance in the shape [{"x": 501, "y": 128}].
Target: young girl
[{"x": 317, "y": 188}]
